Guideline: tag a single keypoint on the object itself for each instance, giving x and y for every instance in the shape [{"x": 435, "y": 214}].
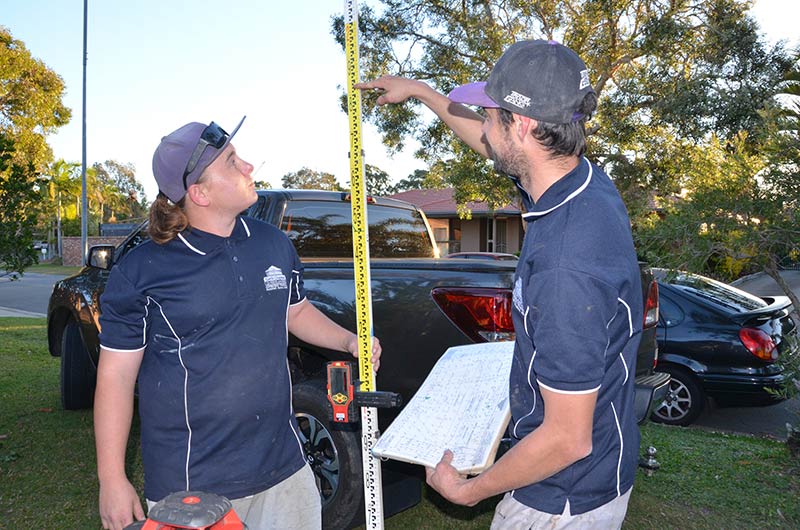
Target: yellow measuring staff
[{"x": 373, "y": 491}]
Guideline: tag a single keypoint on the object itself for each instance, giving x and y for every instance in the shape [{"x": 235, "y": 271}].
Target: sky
[{"x": 154, "y": 65}]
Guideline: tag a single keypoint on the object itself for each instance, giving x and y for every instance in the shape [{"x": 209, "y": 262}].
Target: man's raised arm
[{"x": 465, "y": 122}]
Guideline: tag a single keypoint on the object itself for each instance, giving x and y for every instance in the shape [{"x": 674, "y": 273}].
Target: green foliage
[
  {"x": 665, "y": 73},
  {"x": 113, "y": 195},
  {"x": 415, "y": 181},
  {"x": 738, "y": 210},
  {"x": 30, "y": 102},
  {"x": 310, "y": 179},
  {"x": 120, "y": 195},
  {"x": 18, "y": 209},
  {"x": 30, "y": 109},
  {"x": 377, "y": 181}
]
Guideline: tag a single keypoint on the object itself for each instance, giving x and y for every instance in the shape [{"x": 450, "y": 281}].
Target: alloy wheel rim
[
  {"x": 677, "y": 404},
  {"x": 321, "y": 455}
]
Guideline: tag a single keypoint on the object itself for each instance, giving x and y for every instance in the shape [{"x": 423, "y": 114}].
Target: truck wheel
[
  {"x": 334, "y": 454},
  {"x": 77, "y": 372},
  {"x": 685, "y": 399}
]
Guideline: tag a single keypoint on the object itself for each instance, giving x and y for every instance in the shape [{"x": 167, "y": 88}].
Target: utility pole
[{"x": 84, "y": 208}]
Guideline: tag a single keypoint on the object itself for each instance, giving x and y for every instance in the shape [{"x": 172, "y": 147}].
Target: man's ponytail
[{"x": 166, "y": 219}]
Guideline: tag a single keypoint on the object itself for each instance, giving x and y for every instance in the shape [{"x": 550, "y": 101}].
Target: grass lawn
[
  {"x": 50, "y": 268},
  {"x": 47, "y": 465}
]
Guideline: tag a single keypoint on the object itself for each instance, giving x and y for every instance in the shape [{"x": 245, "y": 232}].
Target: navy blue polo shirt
[
  {"x": 214, "y": 385},
  {"x": 578, "y": 319}
]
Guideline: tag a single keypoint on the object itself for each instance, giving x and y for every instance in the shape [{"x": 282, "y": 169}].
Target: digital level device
[
  {"x": 345, "y": 399},
  {"x": 196, "y": 510}
]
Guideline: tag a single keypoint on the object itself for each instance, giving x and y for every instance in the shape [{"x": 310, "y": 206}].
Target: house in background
[{"x": 488, "y": 230}]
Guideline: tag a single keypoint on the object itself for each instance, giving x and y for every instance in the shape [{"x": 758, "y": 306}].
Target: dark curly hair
[{"x": 561, "y": 139}]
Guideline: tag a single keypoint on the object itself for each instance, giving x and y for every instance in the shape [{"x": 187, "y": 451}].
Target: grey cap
[
  {"x": 173, "y": 154},
  {"x": 541, "y": 79}
]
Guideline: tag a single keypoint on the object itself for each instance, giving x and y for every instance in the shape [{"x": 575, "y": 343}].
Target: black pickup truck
[{"x": 422, "y": 305}]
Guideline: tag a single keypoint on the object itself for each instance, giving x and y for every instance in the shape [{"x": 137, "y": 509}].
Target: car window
[
  {"x": 669, "y": 312},
  {"x": 717, "y": 293},
  {"x": 133, "y": 241},
  {"x": 323, "y": 229},
  {"x": 260, "y": 208}
]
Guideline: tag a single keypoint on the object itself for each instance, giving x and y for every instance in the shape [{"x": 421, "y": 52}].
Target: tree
[
  {"x": 662, "y": 70},
  {"x": 738, "y": 214},
  {"x": 415, "y": 181},
  {"x": 30, "y": 102},
  {"x": 377, "y": 181},
  {"x": 30, "y": 109},
  {"x": 65, "y": 184},
  {"x": 121, "y": 194},
  {"x": 310, "y": 179},
  {"x": 17, "y": 212}
]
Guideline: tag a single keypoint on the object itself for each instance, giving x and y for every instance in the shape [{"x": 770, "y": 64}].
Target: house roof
[{"x": 440, "y": 203}]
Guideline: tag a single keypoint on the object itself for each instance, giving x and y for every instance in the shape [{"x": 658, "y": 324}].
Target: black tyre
[
  {"x": 78, "y": 375},
  {"x": 685, "y": 399},
  {"x": 334, "y": 454}
]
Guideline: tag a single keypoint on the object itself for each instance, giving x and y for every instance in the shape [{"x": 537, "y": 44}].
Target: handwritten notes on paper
[{"x": 462, "y": 406}]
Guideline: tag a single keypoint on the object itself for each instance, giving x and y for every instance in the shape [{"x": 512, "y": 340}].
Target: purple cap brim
[{"x": 472, "y": 94}]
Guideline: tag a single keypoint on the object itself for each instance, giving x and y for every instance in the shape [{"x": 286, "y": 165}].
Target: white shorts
[
  {"x": 291, "y": 504},
  {"x": 511, "y": 514}
]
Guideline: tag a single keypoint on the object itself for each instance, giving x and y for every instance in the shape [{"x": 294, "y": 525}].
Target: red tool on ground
[{"x": 194, "y": 510}]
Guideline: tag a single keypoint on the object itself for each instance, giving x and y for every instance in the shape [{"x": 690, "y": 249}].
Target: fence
[{"x": 72, "y": 252}]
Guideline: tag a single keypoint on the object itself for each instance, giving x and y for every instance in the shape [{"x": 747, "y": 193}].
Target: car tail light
[
  {"x": 651, "y": 306},
  {"x": 481, "y": 313},
  {"x": 758, "y": 343}
]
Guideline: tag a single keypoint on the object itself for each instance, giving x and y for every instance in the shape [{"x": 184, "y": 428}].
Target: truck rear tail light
[
  {"x": 483, "y": 314},
  {"x": 651, "y": 306},
  {"x": 759, "y": 344}
]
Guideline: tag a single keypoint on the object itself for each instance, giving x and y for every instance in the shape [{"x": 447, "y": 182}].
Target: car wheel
[
  {"x": 77, "y": 372},
  {"x": 685, "y": 399},
  {"x": 333, "y": 452}
]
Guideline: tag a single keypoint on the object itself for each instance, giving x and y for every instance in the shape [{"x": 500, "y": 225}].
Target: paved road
[
  {"x": 762, "y": 284},
  {"x": 770, "y": 420},
  {"x": 26, "y": 296}
]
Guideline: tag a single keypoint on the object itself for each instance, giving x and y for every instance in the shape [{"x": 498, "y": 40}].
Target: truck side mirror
[{"x": 101, "y": 257}]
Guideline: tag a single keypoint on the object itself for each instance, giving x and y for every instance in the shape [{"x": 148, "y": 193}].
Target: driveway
[
  {"x": 764, "y": 421},
  {"x": 761, "y": 284}
]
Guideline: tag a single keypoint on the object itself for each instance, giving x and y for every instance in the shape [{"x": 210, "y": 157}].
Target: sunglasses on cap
[{"x": 213, "y": 135}]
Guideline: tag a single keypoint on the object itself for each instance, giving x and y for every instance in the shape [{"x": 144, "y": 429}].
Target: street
[
  {"x": 26, "y": 296},
  {"x": 29, "y": 295}
]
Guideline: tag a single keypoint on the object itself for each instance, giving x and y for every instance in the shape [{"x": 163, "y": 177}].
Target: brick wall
[{"x": 71, "y": 247}]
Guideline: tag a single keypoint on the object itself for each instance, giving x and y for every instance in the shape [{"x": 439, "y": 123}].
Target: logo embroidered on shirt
[
  {"x": 274, "y": 279},
  {"x": 516, "y": 296},
  {"x": 518, "y": 100}
]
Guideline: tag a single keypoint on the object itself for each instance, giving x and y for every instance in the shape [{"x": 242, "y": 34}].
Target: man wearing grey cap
[
  {"x": 577, "y": 296},
  {"x": 198, "y": 317}
]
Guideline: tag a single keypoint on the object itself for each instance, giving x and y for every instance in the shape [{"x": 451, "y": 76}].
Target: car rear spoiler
[{"x": 778, "y": 307}]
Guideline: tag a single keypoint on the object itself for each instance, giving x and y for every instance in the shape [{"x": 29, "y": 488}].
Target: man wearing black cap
[
  {"x": 577, "y": 296},
  {"x": 199, "y": 317}
]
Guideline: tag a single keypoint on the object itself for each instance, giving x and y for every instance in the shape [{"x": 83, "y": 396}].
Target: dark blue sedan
[{"x": 720, "y": 342}]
